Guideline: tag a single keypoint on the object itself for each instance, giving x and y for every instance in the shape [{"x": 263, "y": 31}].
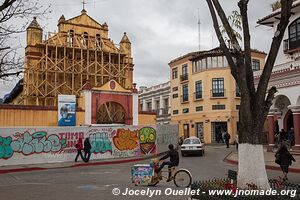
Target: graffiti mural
[
  {"x": 141, "y": 174},
  {"x": 57, "y": 144},
  {"x": 37, "y": 142},
  {"x": 100, "y": 141},
  {"x": 126, "y": 139},
  {"x": 147, "y": 139},
  {"x": 5, "y": 148}
]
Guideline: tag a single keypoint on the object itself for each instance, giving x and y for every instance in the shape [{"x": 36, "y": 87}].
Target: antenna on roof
[{"x": 199, "y": 32}]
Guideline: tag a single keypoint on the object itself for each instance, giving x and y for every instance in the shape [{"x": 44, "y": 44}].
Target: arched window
[
  {"x": 294, "y": 34},
  {"x": 98, "y": 41},
  {"x": 70, "y": 38},
  {"x": 85, "y": 38}
]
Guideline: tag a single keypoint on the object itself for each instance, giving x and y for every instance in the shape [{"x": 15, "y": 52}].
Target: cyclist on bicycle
[{"x": 174, "y": 160}]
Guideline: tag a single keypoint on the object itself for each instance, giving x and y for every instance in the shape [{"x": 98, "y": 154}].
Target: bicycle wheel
[{"x": 182, "y": 178}]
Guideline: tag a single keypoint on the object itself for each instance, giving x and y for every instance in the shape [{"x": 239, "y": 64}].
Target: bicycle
[{"x": 181, "y": 177}]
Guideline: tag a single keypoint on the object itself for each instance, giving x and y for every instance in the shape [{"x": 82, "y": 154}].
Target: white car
[{"x": 192, "y": 145}]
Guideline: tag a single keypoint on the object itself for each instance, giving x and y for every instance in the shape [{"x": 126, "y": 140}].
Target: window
[
  {"x": 294, "y": 34},
  {"x": 199, "y": 108},
  {"x": 209, "y": 63},
  {"x": 218, "y": 87},
  {"x": 198, "y": 89},
  {"x": 185, "y": 110},
  {"x": 218, "y": 107},
  {"x": 98, "y": 42},
  {"x": 184, "y": 69},
  {"x": 237, "y": 90},
  {"x": 174, "y": 89},
  {"x": 84, "y": 39},
  {"x": 175, "y": 96},
  {"x": 255, "y": 65},
  {"x": 141, "y": 107},
  {"x": 184, "y": 75},
  {"x": 237, "y": 107},
  {"x": 70, "y": 38},
  {"x": 174, "y": 73},
  {"x": 185, "y": 93},
  {"x": 149, "y": 106},
  {"x": 175, "y": 112},
  {"x": 214, "y": 62}
]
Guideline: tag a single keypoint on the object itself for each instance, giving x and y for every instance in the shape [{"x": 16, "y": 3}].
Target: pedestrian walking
[
  {"x": 227, "y": 138},
  {"x": 284, "y": 159},
  {"x": 237, "y": 141},
  {"x": 291, "y": 136},
  {"x": 87, "y": 150},
  {"x": 79, "y": 148},
  {"x": 223, "y": 135}
]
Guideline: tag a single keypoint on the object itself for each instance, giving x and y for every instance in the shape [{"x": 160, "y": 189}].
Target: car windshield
[{"x": 192, "y": 141}]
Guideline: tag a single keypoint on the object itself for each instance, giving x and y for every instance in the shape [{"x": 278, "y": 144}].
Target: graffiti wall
[{"x": 48, "y": 145}]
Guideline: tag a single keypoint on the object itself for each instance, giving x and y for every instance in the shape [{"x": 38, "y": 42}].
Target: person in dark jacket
[
  {"x": 87, "y": 149},
  {"x": 227, "y": 138},
  {"x": 79, "y": 148},
  {"x": 174, "y": 160},
  {"x": 284, "y": 159}
]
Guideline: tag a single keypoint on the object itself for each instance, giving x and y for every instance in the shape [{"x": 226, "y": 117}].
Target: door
[
  {"x": 217, "y": 128},
  {"x": 186, "y": 130},
  {"x": 199, "y": 130}
]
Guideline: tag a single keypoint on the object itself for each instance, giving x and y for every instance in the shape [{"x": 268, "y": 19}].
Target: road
[{"x": 97, "y": 182}]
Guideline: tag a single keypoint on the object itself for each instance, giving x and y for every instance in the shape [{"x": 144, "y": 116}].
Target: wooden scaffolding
[{"x": 65, "y": 62}]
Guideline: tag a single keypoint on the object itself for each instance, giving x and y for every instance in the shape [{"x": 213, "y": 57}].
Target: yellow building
[{"x": 204, "y": 96}]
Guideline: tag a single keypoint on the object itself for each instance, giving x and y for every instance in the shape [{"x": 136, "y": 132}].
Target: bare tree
[
  {"x": 255, "y": 103},
  {"x": 14, "y": 16}
]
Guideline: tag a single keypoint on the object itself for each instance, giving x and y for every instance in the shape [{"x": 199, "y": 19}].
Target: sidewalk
[
  {"x": 232, "y": 158},
  {"x": 46, "y": 166}
]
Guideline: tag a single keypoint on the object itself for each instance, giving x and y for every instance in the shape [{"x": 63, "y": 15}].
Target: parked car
[{"x": 192, "y": 145}]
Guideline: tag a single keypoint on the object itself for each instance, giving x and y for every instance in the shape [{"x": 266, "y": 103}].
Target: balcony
[
  {"x": 218, "y": 93},
  {"x": 291, "y": 46},
  {"x": 184, "y": 99},
  {"x": 197, "y": 96},
  {"x": 184, "y": 77}
]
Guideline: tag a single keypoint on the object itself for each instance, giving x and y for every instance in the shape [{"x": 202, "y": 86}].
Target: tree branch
[
  {"x": 243, "y": 5},
  {"x": 221, "y": 40},
  {"x": 226, "y": 25},
  {"x": 10, "y": 74},
  {"x": 286, "y": 6}
]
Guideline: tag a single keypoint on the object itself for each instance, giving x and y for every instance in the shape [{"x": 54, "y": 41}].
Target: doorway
[
  {"x": 186, "y": 130},
  {"x": 216, "y": 131},
  {"x": 199, "y": 130}
]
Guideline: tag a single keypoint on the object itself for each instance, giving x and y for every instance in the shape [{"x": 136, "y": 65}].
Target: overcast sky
[{"x": 159, "y": 30}]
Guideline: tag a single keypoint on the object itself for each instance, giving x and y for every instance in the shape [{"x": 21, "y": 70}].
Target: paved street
[{"x": 97, "y": 182}]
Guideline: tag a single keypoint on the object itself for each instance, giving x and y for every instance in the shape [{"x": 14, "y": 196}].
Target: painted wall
[
  {"x": 147, "y": 118},
  {"x": 50, "y": 145},
  {"x": 17, "y": 115}
]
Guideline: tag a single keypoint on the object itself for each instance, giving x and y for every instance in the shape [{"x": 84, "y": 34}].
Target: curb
[
  {"x": 7, "y": 171},
  {"x": 270, "y": 167}
]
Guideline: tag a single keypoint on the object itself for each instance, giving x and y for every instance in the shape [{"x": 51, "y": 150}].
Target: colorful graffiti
[
  {"x": 37, "y": 142},
  {"x": 125, "y": 139},
  {"x": 147, "y": 140},
  {"x": 5, "y": 148},
  {"x": 141, "y": 174},
  {"x": 46, "y": 145},
  {"x": 100, "y": 142}
]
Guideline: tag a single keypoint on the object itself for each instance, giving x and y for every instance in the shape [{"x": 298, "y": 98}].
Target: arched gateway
[{"x": 111, "y": 113}]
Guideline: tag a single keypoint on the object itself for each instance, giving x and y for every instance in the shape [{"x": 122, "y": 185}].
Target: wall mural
[{"x": 46, "y": 145}]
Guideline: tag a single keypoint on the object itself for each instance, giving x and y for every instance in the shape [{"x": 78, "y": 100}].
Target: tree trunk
[{"x": 251, "y": 166}]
